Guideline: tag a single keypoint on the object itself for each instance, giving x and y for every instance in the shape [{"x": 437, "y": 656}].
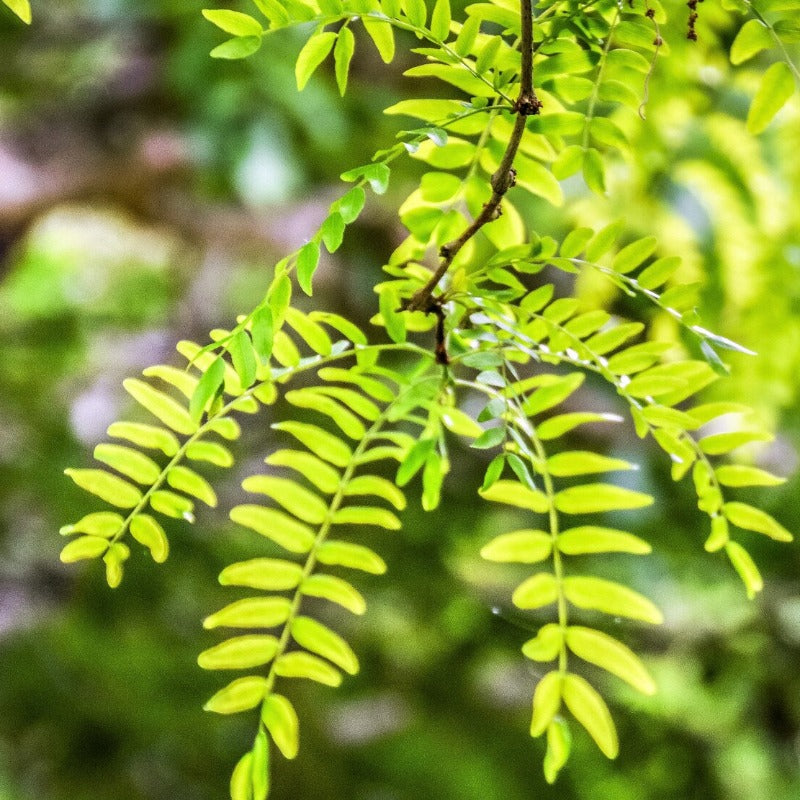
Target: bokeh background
[{"x": 145, "y": 192}]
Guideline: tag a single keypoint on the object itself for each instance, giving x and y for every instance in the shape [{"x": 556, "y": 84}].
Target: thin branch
[{"x": 527, "y": 104}]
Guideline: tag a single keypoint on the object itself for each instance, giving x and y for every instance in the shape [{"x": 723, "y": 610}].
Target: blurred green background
[{"x": 145, "y": 192}]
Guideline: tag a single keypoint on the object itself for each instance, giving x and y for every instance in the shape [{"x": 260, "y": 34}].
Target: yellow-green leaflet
[
  {"x": 319, "y": 639},
  {"x": 746, "y": 567},
  {"x": 239, "y": 695},
  {"x": 149, "y": 436},
  {"x": 272, "y": 574},
  {"x": 754, "y": 519},
  {"x": 546, "y": 702},
  {"x": 310, "y": 398},
  {"x": 353, "y": 556},
  {"x": 299, "y": 664},
  {"x": 594, "y": 539},
  {"x": 148, "y": 531},
  {"x": 609, "y": 597},
  {"x": 377, "y": 487},
  {"x": 99, "y": 523},
  {"x": 582, "y": 462},
  {"x": 591, "y": 711},
  {"x": 537, "y": 591},
  {"x": 314, "y": 469},
  {"x": 129, "y": 462},
  {"x": 83, "y": 547},
  {"x": 525, "y": 546},
  {"x": 365, "y": 515},
  {"x": 514, "y": 493},
  {"x": 108, "y": 487},
  {"x": 280, "y": 719},
  {"x": 252, "y": 612},
  {"x": 241, "y": 786},
  {"x": 559, "y": 745},
  {"x": 161, "y": 405},
  {"x": 296, "y": 499},
  {"x": 321, "y": 443},
  {"x": 603, "y": 650},
  {"x": 337, "y": 590},
  {"x": 294, "y": 536},
  {"x": 546, "y": 645},
  {"x": 172, "y": 505},
  {"x": 240, "y": 652},
  {"x": 187, "y": 480},
  {"x": 22, "y": 8},
  {"x": 595, "y": 498}
]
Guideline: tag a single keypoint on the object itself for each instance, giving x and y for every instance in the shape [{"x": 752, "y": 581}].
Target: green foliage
[{"x": 506, "y": 338}]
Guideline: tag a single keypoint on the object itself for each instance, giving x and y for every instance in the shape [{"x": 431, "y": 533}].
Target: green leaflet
[
  {"x": 753, "y": 37},
  {"x": 590, "y": 710},
  {"x": 720, "y": 443},
  {"x": 240, "y": 652},
  {"x": 241, "y": 786},
  {"x": 313, "y": 53},
  {"x": 211, "y": 452},
  {"x": 187, "y": 480},
  {"x": 83, "y": 547},
  {"x": 148, "y": 532},
  {"x": 546, "y": 702},
  {"x": 537, "y": 591},
  {"x": 160, "y": 405},
  {"x": 546, "y": 645},
  {"x": 515, "y": 494},
  {"x": 371, "y": 386},
  {"x": 99, "y": 523},
  {"x": 233, "y": 22},
  {"x": 609, "y": 597},
  {"x": 296, "y": 499},
  {"x": 342, "y": 56},
  {"x": 311, "y": 398},
  {"x": 382, "y": 36},
  {"x": 592, "y": 539},
  {"x": 319, "y": 639},
  {"x": 557, "y": 426},
  {"x": 559, "y": 745},
  {"x": 299, "y": 664},
  {"x": 525, "y": 546},
  {"x": 354, "y": 401},
  {"x": 745, "y": 566},
  {"x": 613, "y": 656},
  {"x": 172, "y": 505},
  {"x": 754, "y": 519},
  {"x": 239, "y": 695},
  {"x": 321, "y": 443},
  {"x": 270, "y": 574},
  {"x": 546, "y": 397},
  {"x": 353, "y": 556},
  {"x": 376, "y": 487},
  {"x": 312, "y": 333},
  {"x": 282, "y": 529},
  {"x": 129, "y": 462},
  {"x": 739, "y": 475},
  {"x": 777, "y": 86},
  {"x": 366, "y": 515},
  {"x": 107, "y": 487},
  {"x": 183, "y": 381},
  {"x": 583, "y": 462},
  {"x": 316, "y": 471},
  {"x": 252, "y": 612},
  {"x": 22, "y": 8},
  {"x": 596, "y": 498},
  {"x": 150, "y": 437},
  {"x": 338, "y": 591},
  {"x": 280, "y": 719}
]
